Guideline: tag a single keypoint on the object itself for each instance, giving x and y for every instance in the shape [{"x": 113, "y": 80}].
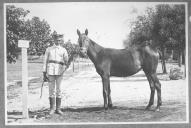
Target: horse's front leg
[{"x": 105, "y": 82}]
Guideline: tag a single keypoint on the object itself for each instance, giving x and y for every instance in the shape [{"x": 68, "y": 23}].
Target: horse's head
[{"x": 83, "y": 41}]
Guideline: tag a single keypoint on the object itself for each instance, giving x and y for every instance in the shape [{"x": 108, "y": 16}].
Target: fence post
[
  {"x": 24, "y": 44},
  {"x": 78, "y": 63},
  {"x": 73, "y": 64}
]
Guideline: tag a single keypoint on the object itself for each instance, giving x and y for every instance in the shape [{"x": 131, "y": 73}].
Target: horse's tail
[
  {"x": 144, "y": 44},
  {"x": 160, "y": 53},
  {"x": 148, "y": 43}
]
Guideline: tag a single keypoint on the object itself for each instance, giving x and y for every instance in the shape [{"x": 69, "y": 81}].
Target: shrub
[{"x": 175, "y": 74}]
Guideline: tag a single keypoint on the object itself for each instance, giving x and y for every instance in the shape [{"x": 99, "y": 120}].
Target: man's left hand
[{"x": 45, "y": 78}]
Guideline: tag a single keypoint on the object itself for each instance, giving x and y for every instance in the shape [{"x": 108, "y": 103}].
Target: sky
[{"x": 108, "y": 23}]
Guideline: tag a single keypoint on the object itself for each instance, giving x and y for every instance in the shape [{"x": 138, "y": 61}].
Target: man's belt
[{"x": 57, "y": 62}]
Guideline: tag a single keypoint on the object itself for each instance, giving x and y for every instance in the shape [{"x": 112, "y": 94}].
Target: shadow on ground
[{"x": 170, "y": 111}]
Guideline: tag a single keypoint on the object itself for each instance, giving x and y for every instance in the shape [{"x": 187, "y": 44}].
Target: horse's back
[{"x": 126, "y": 62}]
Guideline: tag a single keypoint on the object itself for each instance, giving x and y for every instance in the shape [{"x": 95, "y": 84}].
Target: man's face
[{"x": 58, "y": 41}]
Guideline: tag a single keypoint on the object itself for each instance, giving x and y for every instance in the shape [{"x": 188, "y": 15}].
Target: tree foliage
[
  {"x": 141, "y": 30},
  {"x": 35, "y": 30},
  {"x": 170, "y": 27},
  {"x": 14, "y": 30},
  {"x": 38, "y": 32},
  {"x": 163, "y": 25},
  {"x": 72, "y": 49}
]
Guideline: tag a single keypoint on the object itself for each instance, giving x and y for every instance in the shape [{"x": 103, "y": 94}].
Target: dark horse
[{"x": 122, "y": 63}]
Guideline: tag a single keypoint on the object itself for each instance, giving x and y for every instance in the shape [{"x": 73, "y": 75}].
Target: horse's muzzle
[{"x": 83, "y": 51}]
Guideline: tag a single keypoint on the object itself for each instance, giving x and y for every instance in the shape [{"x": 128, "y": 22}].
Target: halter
[{"x": 83, "y": 41}]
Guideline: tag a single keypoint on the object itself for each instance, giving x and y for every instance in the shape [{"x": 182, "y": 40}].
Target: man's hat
[{"x": 56, "y": 36}]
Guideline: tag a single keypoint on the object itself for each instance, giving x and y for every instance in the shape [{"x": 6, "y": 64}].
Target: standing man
[{"x": 55, "y": 61}]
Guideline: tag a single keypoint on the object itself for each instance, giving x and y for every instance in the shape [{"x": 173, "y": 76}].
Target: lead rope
[{"x": 41, "y": 89}]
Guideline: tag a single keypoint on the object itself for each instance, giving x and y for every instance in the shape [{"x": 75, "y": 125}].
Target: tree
[
  {"x": 35, "y": 30},
  {"x": 38, "y": 32},
  {"x": 14, "y": 29},
  {"x": 171, "y": 22},
  {"x": 164, "y": 26},
  {"x": 73, "y": 51},
  {"x": 141, "y": 30}
]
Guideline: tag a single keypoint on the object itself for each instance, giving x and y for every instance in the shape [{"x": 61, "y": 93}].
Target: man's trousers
[{"x": 54, "y": 85}]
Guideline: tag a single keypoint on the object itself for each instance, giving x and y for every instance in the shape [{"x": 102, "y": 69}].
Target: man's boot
[
  {"x": 58, "y": 104},
  {"x": 52, "y": 105}
]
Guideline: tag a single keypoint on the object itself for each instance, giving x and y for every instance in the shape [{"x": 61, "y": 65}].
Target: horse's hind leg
[
  {"x": 152, "y": 87},
  {"x": 109, "y": 96},
  {"x": 158, "y": 88}
]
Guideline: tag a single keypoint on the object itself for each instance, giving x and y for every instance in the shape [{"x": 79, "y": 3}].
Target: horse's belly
[{"x": 123, "y": 71}]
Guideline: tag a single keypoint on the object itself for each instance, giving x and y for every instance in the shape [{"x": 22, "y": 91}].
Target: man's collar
[{"x": 56, "y": 45}]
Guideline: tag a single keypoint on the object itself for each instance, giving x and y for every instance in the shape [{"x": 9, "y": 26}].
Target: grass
[{"x": 14, "y": 71}]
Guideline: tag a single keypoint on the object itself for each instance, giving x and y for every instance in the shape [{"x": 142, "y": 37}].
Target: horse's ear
[
  {"x": 86, "y": 31},
  {"x": 78, "y": 32}
]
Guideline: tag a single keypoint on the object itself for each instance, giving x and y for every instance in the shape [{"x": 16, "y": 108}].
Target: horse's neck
[{"x": 93, "y": 51}]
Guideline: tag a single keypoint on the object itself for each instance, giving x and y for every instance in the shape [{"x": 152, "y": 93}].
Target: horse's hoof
[
  {"x": 148, "y": 108},
  {"x": 106, "y": 109},
  {"x": 110, "y": 105},
  {"x": 157, "y": 109}
]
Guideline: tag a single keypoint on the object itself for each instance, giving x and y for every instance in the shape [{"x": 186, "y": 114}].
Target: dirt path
[{"x": 83, "y": 102}]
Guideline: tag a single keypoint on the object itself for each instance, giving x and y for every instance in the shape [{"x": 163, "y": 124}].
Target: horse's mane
[{"x": 95, "y": 44}]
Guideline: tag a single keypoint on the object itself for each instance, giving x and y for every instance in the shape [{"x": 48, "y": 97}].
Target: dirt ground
[{"x": 82, "y": 100}]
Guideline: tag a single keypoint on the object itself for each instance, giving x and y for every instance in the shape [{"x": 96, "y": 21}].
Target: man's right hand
[{"x": 45, "y": 78}]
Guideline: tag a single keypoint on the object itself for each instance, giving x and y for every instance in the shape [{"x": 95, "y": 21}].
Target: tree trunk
[
  {"x": 171, "y": 55},
  {"x": 73, "y": 64},
  {"x": 184, "y": 61},
  {"x": 183, "y": 56},
  {"x": 179, "y": 58},
  {"x": 163, "y": 61}
]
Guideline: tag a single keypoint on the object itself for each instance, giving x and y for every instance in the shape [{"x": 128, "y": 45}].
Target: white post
[{"x": 24, "y": 44}]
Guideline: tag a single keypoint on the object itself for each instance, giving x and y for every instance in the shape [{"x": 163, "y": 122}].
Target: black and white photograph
[{"x": 79, "y": 63}]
